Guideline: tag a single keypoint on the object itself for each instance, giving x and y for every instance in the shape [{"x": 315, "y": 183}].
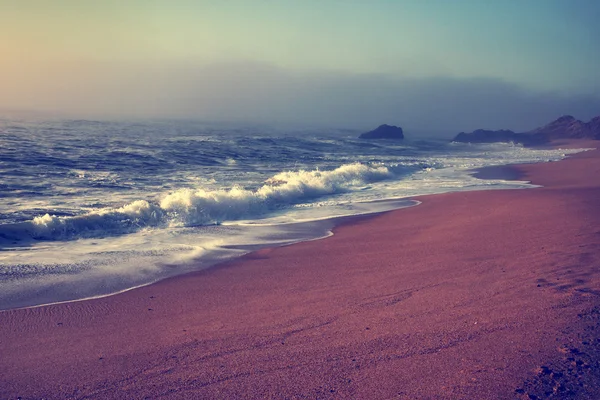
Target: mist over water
[
  {"x": 249, "y": 92},
  {"x": 91, "y": 208}
]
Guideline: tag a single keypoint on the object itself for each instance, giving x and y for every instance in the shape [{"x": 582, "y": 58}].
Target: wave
[{"x": 194, "y": 207}]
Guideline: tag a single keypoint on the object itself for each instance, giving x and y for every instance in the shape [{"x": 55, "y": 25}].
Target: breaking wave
[{"x": 194, "y": 207}]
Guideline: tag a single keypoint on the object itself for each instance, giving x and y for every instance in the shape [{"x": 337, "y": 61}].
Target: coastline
[
  {"x": 454, "y": 298},
  {"x": 35, "y": 289},
  {"x": 294, "y": 232}
]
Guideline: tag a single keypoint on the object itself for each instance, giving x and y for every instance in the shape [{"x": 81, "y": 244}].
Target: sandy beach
[{"x": 470, "y": 295}]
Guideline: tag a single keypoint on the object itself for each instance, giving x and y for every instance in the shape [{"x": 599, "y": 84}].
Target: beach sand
[{"x": 470, "y": 295}]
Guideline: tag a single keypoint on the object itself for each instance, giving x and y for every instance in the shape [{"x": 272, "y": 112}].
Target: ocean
[{"x": 91, "y": 208}]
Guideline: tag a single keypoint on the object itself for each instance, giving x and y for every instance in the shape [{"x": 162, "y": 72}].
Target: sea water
[{"x": 90, "y": 208}]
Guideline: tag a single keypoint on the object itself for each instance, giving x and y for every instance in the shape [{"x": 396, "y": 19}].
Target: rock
[
  {"x": 567, "y": 127},
  {"x": 502, "y": 136},
  {"x": 594, "y": 126},
  {"x": 384, "y": 132}
]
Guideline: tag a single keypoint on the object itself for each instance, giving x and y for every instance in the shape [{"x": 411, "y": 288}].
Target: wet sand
[{"x": 485, "y": 295}]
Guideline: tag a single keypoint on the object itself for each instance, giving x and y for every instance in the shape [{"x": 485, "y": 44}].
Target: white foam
[{"x": 203, "y": 206}]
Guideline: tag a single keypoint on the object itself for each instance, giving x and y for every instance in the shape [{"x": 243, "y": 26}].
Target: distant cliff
[
  {"x": 569, "y": 127},
  {"x": 488, "y": 136},
  {"x": 565, "y": 127},
  {"x": 384, "y": 132}
]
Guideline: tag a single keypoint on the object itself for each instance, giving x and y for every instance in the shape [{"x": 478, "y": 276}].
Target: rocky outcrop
[
  {"x": 594, "y": 126},
  {"x": 504, "y": 136},
  {"x": 567, "y": 127},
  {"x": 384, "y": 132}
]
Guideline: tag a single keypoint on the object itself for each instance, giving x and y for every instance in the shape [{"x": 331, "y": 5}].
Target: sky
[{"x": 431, "y": 65}]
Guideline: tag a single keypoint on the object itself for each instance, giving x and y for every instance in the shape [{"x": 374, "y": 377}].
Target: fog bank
[{"x": 262, "y": 93}]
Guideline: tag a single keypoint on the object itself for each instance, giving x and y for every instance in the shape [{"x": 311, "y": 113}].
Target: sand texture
[{"x": 471, "y": 295}]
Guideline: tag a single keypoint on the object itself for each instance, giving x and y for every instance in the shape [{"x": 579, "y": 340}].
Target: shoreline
[
  {"x": 409, "y": 303},
  {"x": 505, "y": 172},
  {"x": 323, "y": 225},
  {"x": 59, "y": 294}
]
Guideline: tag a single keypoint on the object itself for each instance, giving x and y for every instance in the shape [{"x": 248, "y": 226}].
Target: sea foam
[{"x": 202, "y": 206}]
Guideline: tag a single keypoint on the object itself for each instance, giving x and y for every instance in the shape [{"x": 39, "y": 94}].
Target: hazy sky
[{"x": 428, "y": 64}]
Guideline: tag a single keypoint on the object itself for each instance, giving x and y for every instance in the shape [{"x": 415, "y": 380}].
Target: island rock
[{"x": 384, "y": 132}]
